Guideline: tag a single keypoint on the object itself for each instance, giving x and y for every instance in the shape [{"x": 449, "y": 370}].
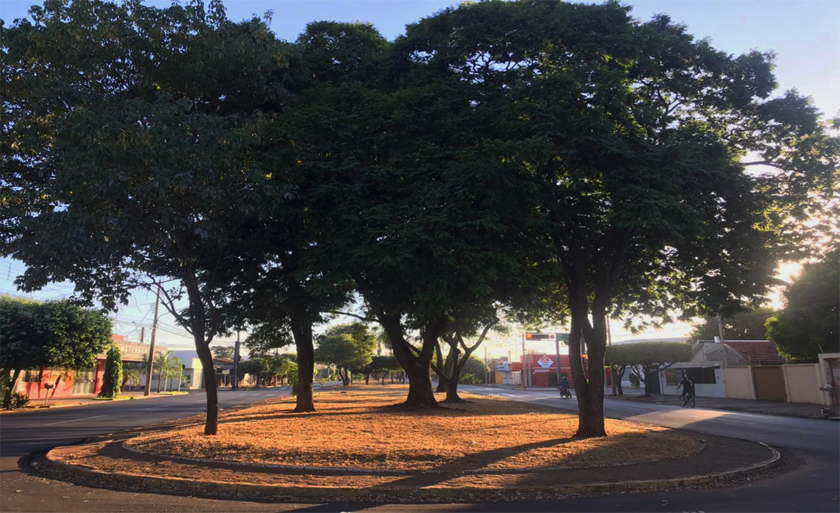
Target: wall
[
  {"x": 803, "y": 383},
  {"x": 700, "y": 389},
  {"x": 738, "y": 382}
]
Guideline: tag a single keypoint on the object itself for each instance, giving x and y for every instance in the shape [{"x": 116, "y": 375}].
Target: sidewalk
[
  {"x": 79, "y": 400},
  {"x": 802, "y": 410},
  {"x": 807, "y": 411}
]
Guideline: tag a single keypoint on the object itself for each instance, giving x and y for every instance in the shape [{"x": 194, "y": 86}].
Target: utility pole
[
  {"x": 486, "y": 368},
  {"x": 557, "y": 350},
  {"x": 524, "y": 364},
  {"x": 142, "y": 332},
  {"x": 235, "y": 385},
  {"x": 150, "y": 365}
]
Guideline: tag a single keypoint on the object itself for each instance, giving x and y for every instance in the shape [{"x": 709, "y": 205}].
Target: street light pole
[
  {"x": 236, "y": 363},
  {"x": 150, "y": 365}
]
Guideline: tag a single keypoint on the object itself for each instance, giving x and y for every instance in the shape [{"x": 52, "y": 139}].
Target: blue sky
[{"x": 804, "y": 34}]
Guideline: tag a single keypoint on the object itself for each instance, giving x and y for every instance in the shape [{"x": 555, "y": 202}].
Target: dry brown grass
[{"x": 361, "y": 428}]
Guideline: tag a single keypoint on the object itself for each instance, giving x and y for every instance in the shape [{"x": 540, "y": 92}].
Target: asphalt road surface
[{"x": 812, "y": 487}]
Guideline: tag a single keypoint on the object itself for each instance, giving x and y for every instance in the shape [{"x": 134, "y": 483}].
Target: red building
[{"x": 46, "y": 383}]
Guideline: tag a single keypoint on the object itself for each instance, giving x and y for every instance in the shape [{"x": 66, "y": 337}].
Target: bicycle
[{"x": 688, "y": 400}]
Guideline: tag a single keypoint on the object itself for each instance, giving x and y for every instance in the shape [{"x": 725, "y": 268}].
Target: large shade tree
[
  {"x": 664, "y": 169},
  {"x": 420, "y": 222},
  {"x": 127, "y": 147},
  {"x": 49, "y": 334}
]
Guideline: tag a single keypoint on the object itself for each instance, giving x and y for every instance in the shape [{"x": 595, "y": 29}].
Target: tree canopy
[
  {"x": 810, "y": 322},
  {"x": 747, "y": 325},
  {"x": 49, "y": 334},
  {"x": 349, "y": 347}
]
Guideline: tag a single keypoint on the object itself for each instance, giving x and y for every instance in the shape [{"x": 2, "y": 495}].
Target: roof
[{"x": 756, "y": 351}]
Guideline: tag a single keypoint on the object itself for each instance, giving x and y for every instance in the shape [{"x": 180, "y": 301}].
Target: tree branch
[{"x": 366, "y": 319}]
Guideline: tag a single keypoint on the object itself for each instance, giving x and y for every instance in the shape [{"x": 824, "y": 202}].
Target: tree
[
  {"x": 349, "y": 347},
  {"x": 647, "y": 359},
  {"x": 380, "y": 367},
  {"x": 135, "y": 171},
  {"x": 49, "y": 334},
  {"x": 617, "y": 357},
  {"x": 112, "y": 379},
  {"x": 169, "y": 366},
  {"x": 223, "y": 352},
  {"x": 457, "y": 360},
  {"x": 631, "y": 136},
  {"x": 418, "y": 226},
  {"x": 747, "y": 325},
  {"x": 810, "y": 321},
  {"x": 254, "y": 367},
  {"x": 474, "y": 372},
  {"x": 130, "y": 375}
]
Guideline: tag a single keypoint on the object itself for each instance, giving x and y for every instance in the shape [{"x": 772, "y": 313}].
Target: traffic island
[{"x": 359, "y": 446}]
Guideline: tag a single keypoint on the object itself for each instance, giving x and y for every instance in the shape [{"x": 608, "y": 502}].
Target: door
[
  {"x": 83, "y": 382},
  {"x": 769, "y": 384}
]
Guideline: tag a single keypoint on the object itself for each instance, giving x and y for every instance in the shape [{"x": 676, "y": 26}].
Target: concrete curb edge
[{"x": 215, "y": 488}]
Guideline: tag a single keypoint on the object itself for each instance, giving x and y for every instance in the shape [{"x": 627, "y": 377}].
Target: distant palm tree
[
  {"x": 130, "y": 375},
  {"x": 168, "y": 366}
]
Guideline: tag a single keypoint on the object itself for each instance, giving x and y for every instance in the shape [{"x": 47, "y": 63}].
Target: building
[{"x": 46, "y": 383}]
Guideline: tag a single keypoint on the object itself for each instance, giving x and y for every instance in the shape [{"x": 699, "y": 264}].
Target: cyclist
[
  {"x": 687, "y": 387},
  {"x": 564, "y": 386}
]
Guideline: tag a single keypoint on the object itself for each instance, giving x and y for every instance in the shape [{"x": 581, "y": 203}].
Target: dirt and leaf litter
[{"x": 361, "y": 427}]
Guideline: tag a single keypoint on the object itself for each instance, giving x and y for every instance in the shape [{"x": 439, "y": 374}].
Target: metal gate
[
  {"x": 769, "y": 384},
  {"x": 83, "y": 381}
]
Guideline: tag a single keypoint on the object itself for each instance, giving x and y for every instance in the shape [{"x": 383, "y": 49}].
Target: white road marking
[{"x": 74, "y": 420}]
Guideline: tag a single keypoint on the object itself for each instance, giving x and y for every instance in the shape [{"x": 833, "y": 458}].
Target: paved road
[{"x": 813, "y": 487}]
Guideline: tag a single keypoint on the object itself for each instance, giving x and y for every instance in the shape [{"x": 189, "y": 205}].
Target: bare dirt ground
[{"x": 359, "y": 427}]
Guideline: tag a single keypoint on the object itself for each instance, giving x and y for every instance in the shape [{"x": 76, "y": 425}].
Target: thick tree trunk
[
  {"x": 440, "y": 365},
  {"x": 590, "y": 392},
  {"x": 211, "y": 423},
  {"x": 452, "y": 391},
  {"x": 302, "y": 332},
  {"x": 416, "y": 366},
  {"x": 419, "y": 388},
  {"x": 7, "y": 396}
]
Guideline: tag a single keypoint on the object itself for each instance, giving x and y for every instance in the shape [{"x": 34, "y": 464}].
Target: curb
[
  {"x": 77, "y": 405},
  {"x": 215, "y": 488}
]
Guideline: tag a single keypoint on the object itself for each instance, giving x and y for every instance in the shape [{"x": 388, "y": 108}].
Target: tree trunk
[
  {"x": 452, "y": 391},
  {"x": 440, "y": 365},
  {"x": 211, "y": 423},
  {"x": 7, "y": 396},
  {"x": 590, "y": 393},
  {"x": 302, "y": 332}
]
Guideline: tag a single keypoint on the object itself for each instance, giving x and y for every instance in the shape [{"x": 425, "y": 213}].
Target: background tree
[
  {"x": 130, "y": 375},
  {"x": 647, "y": 359},
  {"x": 617, "y": 357},
  {"x": 631, "y": 136},
  {"x": 748, "y": 325},
  {"x": 810, "y": 322},
  {"x": 460, "y": 355},
  {"x": 223, "y": 352},
  {"x": 168, "y": 121},
  {"x": 169, "y": 366},
  {"x": 381, "y": 367},
  {"x": 474, "y": 372},
  {"x": 112, "y": 379},
  {"x": 49, "y": 334},
  {"x": 254, "y": 367},
  {"x": 349, "y": 347}
]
